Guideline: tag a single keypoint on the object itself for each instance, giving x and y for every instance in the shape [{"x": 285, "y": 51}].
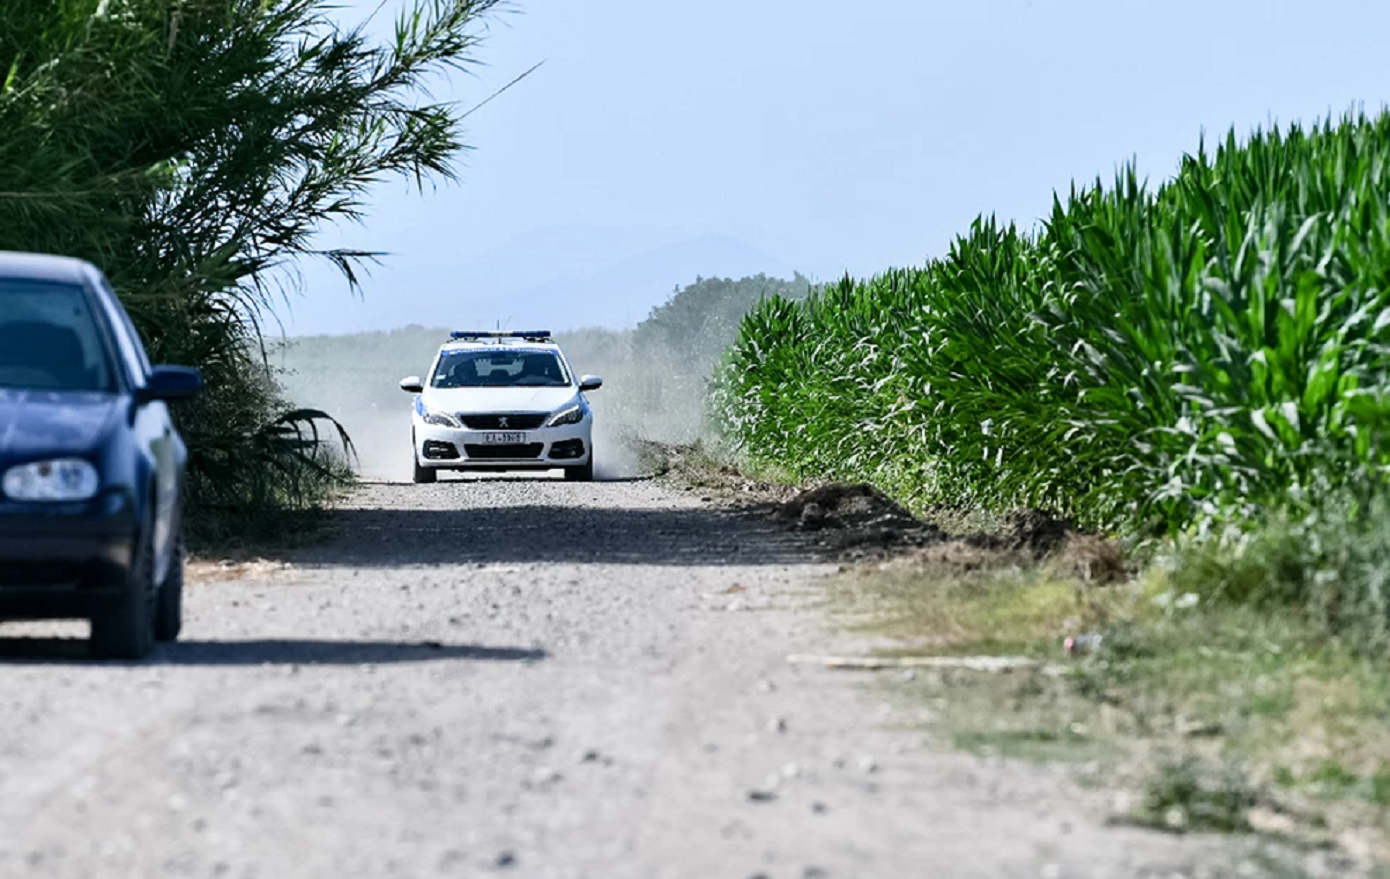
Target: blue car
[{"x": 91, "y": 467}]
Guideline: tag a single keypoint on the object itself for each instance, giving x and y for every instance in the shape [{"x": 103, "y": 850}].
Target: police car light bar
[{"x": 528, "y": 335}]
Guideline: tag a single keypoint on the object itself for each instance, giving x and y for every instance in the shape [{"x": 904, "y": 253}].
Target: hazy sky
[{"x": 838, "y": 136}]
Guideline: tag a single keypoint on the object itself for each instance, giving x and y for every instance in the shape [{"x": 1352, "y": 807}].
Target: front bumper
[
  {"x": 63, "y": 561},
  {"x": 545, "y": 448}
]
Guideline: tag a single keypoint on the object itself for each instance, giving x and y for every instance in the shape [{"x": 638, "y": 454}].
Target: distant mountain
[
  {"x": 557, "y": 278},
  {"x": 622, "y": 294}
]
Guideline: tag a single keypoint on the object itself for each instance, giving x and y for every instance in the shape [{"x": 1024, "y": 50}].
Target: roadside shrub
[
  {"x": 192, "y": 150},
  {"x": 1189, "y": 795},
  {"x": 1331, "y": 564}
]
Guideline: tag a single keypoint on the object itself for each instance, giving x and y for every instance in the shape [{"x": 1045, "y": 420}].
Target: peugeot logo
[{"x": 502, "y": 422}]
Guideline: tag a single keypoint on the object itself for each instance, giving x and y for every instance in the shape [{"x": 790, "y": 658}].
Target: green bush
[
  {"x": 675, "y": 352},
  {"x": 1332, "y": 567}
]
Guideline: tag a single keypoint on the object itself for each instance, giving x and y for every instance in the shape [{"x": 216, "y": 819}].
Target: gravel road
[{"x": 515, "y": 677}]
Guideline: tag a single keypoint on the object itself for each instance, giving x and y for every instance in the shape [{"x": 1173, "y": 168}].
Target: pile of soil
[
  {"x": 855, "y": 516},
  {"x": 1036, "y": 532},
  {"x": 861, "y": 518}
]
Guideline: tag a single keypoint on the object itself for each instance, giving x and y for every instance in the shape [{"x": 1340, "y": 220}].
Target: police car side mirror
[
  {"x": 590, "y": 383},
  {"x": 411, "y": 384}
]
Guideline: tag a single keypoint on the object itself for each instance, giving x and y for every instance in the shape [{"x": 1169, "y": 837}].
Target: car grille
[
  {"x": 510, "y": 453},
  {"x": 515, "y": 421}
]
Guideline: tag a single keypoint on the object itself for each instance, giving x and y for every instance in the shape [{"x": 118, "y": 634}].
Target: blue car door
[{"x": 153, "y": 433}]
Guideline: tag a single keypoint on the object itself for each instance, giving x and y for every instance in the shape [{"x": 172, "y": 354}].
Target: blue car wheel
[
  {"x": 126, "y": 631},
  {"x": 168, "y": 605}
]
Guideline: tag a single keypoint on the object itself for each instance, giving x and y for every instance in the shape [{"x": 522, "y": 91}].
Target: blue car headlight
[
  {"x": 573, "y": 415},
  {"x": 441, "y": 419},
  {"x": 61, "y": 479}
]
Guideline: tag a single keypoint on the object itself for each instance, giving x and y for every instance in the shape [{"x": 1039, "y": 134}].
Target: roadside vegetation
[
  {"x": 1203, "y": 717},
  {"x": 1207, "y": 361},
  {"x": 1195, "y": 374},
  {"x": 192, "y": 150}
]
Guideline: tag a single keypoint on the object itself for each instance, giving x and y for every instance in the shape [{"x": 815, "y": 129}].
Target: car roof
[{"x": 44, "y": 267}]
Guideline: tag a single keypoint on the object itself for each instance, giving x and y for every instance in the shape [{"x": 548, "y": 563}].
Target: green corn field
[{"x": 1149, "y": 360}]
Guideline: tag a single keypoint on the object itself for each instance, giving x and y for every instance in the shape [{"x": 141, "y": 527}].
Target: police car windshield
[
  {"x": 493, "y": 368},
  {"x": 49, "y": 339}
]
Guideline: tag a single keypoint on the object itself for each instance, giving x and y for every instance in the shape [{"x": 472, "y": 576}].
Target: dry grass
[
  {"x": 1174, "y": 701},
  {"x": 955, "y": 597}
]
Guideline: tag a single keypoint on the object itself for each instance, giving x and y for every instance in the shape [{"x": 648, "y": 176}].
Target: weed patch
[
  {"x": 1190, "y": 795},
  {"x": 1210, "y": 711}
]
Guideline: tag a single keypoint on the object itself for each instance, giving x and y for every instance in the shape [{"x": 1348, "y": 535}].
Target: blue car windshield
[
  {"x": 494, "y": 368},
  {"x": 49, "y": 339}
]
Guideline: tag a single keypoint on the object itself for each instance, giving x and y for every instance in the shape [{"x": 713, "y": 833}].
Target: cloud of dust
[
  {"x": 614, "y": 459},
  {"x": 382, "y": 440},
  {"x": 354, "y": 379}
]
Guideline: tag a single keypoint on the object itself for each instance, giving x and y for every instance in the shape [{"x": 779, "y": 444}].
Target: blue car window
[
  {"x": 499, "y": 369},
  {"x": 49, "y": 339},
  {"x": 127, "y": 339}
]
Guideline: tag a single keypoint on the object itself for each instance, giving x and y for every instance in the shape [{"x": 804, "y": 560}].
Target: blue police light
[{"x": 528, "y": 335}]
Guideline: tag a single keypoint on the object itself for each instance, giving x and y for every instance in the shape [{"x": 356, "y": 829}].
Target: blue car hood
[{"x": 45, "y": 423}]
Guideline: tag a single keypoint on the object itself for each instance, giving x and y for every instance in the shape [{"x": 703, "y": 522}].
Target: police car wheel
[
  {"x": 581, "y": 474},
  {"x": 423, "y": 475}
]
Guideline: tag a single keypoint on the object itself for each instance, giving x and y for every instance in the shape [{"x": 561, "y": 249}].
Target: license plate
[{"x": 504, "y": 439}]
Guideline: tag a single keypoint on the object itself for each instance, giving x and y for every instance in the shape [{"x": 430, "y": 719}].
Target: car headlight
[
  {"x": 441, "y": 419},
  {"x": 572, "y": 415},
  {"x": 63, "y": 479}
]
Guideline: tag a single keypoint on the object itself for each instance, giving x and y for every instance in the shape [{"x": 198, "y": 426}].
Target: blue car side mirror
[{"x": 171, "y": 383}]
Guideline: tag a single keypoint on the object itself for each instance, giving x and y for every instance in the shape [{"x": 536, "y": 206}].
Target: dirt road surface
[{"x": 517, "y": 677}]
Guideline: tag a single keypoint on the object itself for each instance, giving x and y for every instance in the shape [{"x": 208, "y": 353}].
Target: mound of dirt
[
  {"x": 1092, "y": 559},
  {"x": 855, "y": 516},
  {"x": 1036, "y": 532}
]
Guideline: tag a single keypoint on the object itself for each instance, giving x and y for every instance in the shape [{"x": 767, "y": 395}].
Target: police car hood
[{"x": 482, "y": 400}]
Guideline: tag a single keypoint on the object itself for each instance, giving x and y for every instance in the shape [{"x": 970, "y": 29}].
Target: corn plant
[{"x": 1154, "y": 360}]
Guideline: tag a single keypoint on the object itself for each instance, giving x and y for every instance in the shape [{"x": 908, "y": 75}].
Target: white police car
[{"x": 502, "y": 401}]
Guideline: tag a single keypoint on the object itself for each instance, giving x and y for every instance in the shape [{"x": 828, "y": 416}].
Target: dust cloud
[
  {"x": 657, "y": 375},
  {"x": 355, "y": 380},
  {"x": 614, "y": 458},
  {"x": 382, "y": 442}
]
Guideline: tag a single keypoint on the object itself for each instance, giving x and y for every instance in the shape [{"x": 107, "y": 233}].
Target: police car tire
[
  {"x": 581, "y": 474},
  {"x": 423, "y": 475}
]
